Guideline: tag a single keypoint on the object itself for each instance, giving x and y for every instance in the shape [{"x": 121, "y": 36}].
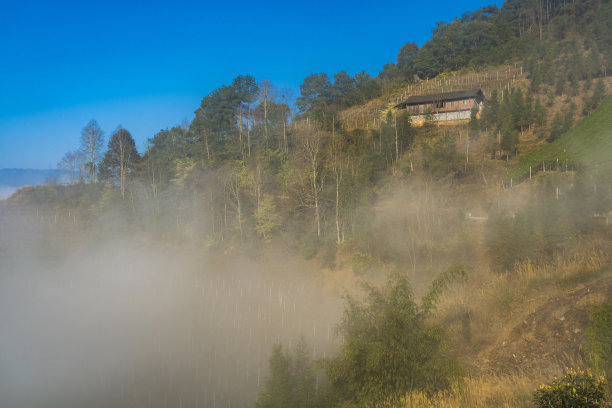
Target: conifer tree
[{"x": 277, "y": 389}]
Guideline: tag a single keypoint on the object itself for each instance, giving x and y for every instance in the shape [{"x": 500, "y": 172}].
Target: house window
[{"x": 464, "y": 102}]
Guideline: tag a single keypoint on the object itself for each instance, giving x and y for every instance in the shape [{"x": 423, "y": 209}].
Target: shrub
[
  {"x": 362, "y": 263},
  {"x": 391, "y": 346},
  {"x": 578, "y": 389}
]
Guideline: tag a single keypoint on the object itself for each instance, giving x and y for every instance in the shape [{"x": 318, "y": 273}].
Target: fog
[{"x": 127, "y": 323}]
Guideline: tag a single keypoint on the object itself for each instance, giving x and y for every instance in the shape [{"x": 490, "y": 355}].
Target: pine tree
[
  {"x": 594, "y": 62},
  {"x": 539, "y": 114},
  {"x": 556, "y": 127},
  {"x": 490, "y": 111},
  {"x": 304, "y": 381},
  {"x": 277, "y": 389}
]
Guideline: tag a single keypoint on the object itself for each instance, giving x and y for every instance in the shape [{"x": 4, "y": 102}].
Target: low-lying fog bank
[{"x": 124, "y": 325}]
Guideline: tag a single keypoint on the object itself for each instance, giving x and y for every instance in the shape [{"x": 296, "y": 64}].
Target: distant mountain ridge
[
  {"x": 12, "y": 179},
  {"x": 24, "y": 177}
]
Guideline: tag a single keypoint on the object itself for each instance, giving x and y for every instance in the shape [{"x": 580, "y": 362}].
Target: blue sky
[{"x": 145, "y": 65}]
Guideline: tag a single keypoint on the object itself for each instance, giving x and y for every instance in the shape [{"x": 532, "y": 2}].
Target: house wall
[
  {"x": 444, "y": 116},
  {"x": 444, "y": 106}
]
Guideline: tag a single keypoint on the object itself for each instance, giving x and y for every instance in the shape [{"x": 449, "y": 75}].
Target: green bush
[
  {"x": 391, "y": 346},
  {"x": 578, "y": 389},
  {"x": 362, "y": 263},
  {"x": 309, "y": 247}
]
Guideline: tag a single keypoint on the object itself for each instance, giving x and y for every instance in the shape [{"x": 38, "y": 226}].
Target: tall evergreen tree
[
  {"x": 120, "y": 159},
  {"x": 277, "y": 389}
]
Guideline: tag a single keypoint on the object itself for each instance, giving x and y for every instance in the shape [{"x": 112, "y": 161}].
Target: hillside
[
  {"x": 240, "y": 234},
  {"x": 588, "y": 144}
]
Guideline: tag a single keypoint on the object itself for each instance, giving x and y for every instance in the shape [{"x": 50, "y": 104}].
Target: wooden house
[{"x": 444, "y": 107}]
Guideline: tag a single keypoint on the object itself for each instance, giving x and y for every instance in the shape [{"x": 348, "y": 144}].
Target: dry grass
[
  {"x": 486, "y": 391},
  {"x": 481, "y": 314}
]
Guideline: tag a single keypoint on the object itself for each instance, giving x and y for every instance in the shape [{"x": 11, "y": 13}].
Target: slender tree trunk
[
  {"x": 338, "y": 179},
  {"x": 122, "y": 167},
  {"x": 285, "y": 135},
  {"x": 248, "y": 130},
  {"x": 240, "y": 132},
  {"x": 396, "y": 140},
  {"x": 316, "y": 198},
  {"x": 266, "y": 115}
]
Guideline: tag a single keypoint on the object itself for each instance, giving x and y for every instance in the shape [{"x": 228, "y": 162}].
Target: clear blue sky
[{"x": 146, "y": 65}]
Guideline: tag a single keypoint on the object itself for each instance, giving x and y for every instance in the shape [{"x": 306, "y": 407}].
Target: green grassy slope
[{"x": 589, "y": 143}]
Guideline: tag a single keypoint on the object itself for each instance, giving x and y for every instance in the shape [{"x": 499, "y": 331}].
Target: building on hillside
[{"x": 445, "y": 107}]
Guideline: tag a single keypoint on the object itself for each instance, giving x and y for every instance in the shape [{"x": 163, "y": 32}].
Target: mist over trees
[{"x": 256, "y": 170}]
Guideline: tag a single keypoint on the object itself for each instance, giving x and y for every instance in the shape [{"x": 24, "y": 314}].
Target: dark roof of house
[{"x": 447, "y": 96}]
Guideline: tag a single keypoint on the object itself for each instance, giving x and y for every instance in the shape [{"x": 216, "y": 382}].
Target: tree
[
  {"x": 473, "y": 125},
  {"x": 312, "y": 173},
  {"x": 92, "y": 138},
  {"x": 314, "y": 92},
  {"x": 342, "y": 88},
  {"x": 539, "y": 114},
  {"x": 74, "y": 164},
  {"x": 267, "y": 218},
  {"x": 304, "y": 380},
  {"x": 405, "y": 59},
  {"x": 120, "y": 159},
  {"x": 277, "y": 389},
  {"x": 490, "y": 112},
  {"x": 390, "y": 346},
  {"x": 594, "y": 62}
]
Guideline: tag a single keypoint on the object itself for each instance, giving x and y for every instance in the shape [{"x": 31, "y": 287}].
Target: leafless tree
[
  {"x": 92, "y": 138},
  {"x": 74, "y": 164}
]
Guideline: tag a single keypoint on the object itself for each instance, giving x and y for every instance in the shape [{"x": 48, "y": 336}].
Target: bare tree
[
  {"x": 92, "y": 138},
  {"x": 265, "y": 90},
  {"x": 310, "y": 177},
  {"x": 73, "y": 163}
]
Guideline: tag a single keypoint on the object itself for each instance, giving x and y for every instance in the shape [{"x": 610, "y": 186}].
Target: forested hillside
[{"x": 482, "y": 227}]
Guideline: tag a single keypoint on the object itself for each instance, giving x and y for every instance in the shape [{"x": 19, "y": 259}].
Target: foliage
[
  {"x": 520, "y": 28},
  {"x": 577, "y": 389},
  {"x": 534, "y": 232},
  {"x": 120, "y": 159},
  {"x": 390, "y": 347},
  {"x": 362, "y": 263},
  {"x": 276, "y": 391},
  {"x": 443, "y": 159},
  {"x": 588, "y": 143},
  {"x": 267, "y": 218},
  {"x": 291, "y": 380},
  {"x": 599, "y": 334}
]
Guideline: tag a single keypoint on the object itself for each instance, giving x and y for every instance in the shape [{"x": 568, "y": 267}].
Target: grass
[
  {"x": 589, "y": 144},
  {"x": 483, "y": 392}
]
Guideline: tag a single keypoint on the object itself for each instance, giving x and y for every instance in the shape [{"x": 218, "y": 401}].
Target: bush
[
  {"x": 362, "y": 263},
  {"x": 578, "y": 389},
  {"x": 309, "y": 247},
  {"x": 391, "y": 346}
]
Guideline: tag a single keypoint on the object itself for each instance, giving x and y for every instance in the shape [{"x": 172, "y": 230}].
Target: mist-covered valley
[{"x": 131, "y": 324}]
